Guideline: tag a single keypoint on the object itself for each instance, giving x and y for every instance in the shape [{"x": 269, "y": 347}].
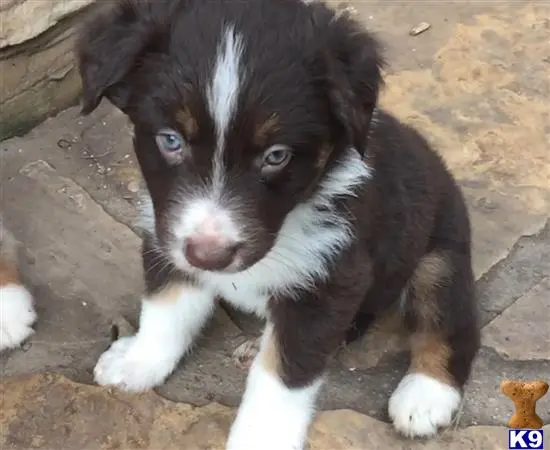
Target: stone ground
[{"x": 476, "y": 83}]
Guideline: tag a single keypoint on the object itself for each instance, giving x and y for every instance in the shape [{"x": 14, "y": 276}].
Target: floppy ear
[
  {"x": 109, "y": 47},
  {"x": 351, "y": 60}
]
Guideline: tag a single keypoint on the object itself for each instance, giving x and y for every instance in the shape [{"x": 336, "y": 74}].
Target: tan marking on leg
[
  {"x": 265, "y": 129},
  {"x": 271, "y": 357},
  {"x": 170, "y": 293},
  {"x": 8, "y": 273},
  {"x": 430, "y": 355},
  {"x": 432, "y": 271},
  {"x": 9, "y": 270}
]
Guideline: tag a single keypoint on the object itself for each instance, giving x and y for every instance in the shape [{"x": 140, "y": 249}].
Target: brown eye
[
  {"x": 171, "y": 145},
  {"x": 275, "y": 159}
]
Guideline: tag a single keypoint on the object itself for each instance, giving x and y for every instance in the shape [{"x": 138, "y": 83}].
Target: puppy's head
[{"x": 241, "y": 112}]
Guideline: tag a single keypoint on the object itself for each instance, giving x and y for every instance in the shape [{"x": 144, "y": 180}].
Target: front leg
[
  {"x": 278, "y": 405},
  {"x": 172, "y": 315},
  {"x": 169, "y": 323},
  {"x": 274, "y": 415}
]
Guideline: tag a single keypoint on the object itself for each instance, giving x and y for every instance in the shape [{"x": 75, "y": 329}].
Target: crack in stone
[{"x": 543, "y": 231}]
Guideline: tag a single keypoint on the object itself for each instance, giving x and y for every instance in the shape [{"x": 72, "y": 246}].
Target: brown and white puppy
[
  {"x": 17, "y": 313},
  {"x": 276, "y": 183}
]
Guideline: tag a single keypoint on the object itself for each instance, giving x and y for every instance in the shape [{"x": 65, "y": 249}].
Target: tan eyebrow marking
[
  {"x": 188, "y": 122},
  {"x": 265, "y": 129}
]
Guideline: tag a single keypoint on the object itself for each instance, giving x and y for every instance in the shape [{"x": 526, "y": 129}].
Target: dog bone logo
[{"x": 525, "y": 395}]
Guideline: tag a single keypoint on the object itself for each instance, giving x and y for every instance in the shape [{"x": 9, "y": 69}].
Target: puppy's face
[{"x": 240, "y": 109}]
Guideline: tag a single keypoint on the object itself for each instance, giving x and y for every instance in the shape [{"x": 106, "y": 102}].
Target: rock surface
[
  {"x": 37, "y": 61},
  {"x": 80, "y": 416},
  {"x": 23, "y": 20},
  {"x": 479, "y": 103},
  {"x": 508, "y": 333}
]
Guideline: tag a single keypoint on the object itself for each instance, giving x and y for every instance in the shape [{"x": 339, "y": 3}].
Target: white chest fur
[{"x": 244, "y": 297}]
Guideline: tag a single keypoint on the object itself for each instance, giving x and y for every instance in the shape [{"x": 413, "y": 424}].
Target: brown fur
[
  {"x": 271, "y": 357},
  {"x": 8, "y": 273},
  {"x": 170, "y": 293},
  {"x": 188, "y": 123},
  {"x": 8, "y": 257},
  {"x": 430, "y": 355},
  {"x": 432, "y": 272},
  {"x": 265, "y": 129}
]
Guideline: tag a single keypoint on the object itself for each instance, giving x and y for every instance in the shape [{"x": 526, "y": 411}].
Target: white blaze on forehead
[
  {"x": 224, "y": 88},
  {"x": 205, "y": 214},
  {"x": 223, "y": 94}
]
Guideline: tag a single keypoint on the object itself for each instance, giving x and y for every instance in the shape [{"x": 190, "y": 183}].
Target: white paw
[
  {"x": 17, "y": 315},
  {"x": 134, "y": 366},
  {"x": 421, "y": 405}
]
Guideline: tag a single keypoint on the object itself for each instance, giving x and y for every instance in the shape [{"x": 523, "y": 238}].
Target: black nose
[{"x": 210, "y": 253}]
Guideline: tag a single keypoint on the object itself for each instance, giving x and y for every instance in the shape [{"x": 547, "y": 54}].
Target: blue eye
[
  {"x": 275, "y": 159},
  {"x": 169, "y": 141},
  {"x": 277, "y": 155},
  {"x": 171, "y": 145}
]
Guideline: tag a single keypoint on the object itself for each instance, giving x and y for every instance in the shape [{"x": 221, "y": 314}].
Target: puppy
[
  {"x": 17, "y": 314},
  {"x": 277, "y": 183}
]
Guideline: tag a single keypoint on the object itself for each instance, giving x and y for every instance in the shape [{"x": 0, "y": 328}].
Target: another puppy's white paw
[
  {"x": 17, "y": 315},
  {"x": 134, "y": 366},
  {"x": 421, "y": 405}
]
